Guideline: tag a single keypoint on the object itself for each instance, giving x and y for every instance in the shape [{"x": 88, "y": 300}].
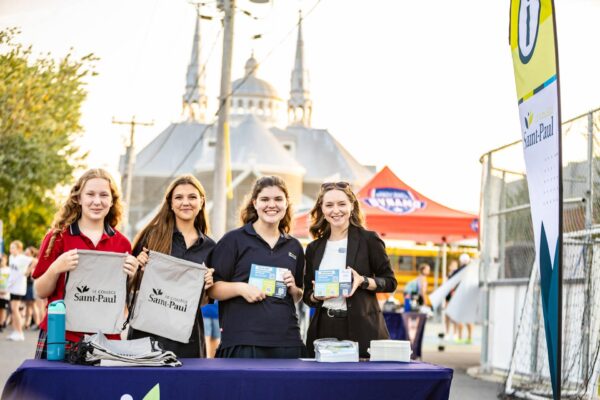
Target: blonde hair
[
  {"x": 319, "y": 226},
  {"x": 249, "y": 214},
  {"x": 70, "y": 211},
  {"x": 157, "y": 235},
  {"x": 18, "y": 244}
]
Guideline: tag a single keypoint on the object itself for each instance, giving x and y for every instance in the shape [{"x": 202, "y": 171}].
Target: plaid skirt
[{"x": 40, "y": 348}]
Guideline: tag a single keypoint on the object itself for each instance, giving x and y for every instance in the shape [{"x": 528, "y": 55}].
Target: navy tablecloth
[
  {"x": 407, "y": 326},
  {"x": 232, "y": 379}
]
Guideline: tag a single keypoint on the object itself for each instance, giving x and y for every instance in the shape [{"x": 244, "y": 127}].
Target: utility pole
[
  {"x": 219, "y": 209},
  {"x": 126, "y": 179}
]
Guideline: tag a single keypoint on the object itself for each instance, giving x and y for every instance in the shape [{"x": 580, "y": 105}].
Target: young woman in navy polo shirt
[
  {"x": 254, "y": 325},
  {"x": 179, "y": 229},
  {"x": 342, "y": 242},
  {"x": 87, "y": 221}
]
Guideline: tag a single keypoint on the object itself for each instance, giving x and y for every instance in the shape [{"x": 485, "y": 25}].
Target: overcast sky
[{"x": 425, "y": 87}]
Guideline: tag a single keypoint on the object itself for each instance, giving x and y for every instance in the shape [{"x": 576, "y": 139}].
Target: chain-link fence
[{"x": 511, "y": 286}]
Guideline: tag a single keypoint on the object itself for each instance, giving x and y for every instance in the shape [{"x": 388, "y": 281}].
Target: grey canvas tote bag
[
  {"x": 95, "y": 293},
  {"x": 169, "y": 296}
]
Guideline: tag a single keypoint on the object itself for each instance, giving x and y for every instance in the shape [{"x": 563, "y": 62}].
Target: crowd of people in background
[
  {"x": 234, "y": 319},
  {"x": 20, "y": 308}
]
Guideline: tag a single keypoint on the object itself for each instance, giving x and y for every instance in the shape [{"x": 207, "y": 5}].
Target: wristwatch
[{"x": 365, "y": 283}]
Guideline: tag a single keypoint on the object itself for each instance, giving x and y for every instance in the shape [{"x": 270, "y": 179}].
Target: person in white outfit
[
  {"x": 17, "y": 287},
  {"x": 463, "y": 261}
]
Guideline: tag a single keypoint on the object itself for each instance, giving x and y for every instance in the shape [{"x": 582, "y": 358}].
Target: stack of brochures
[
  {"x": 390, "y": 350},
  {"x": 268, "y": 279},
  {"x": 333, "y": 350},
  {"x": 144, "y": 352},
  {"x": 333, "y": 282}
]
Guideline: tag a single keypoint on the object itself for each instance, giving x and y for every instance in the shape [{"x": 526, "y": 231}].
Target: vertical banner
[{"x": 535, "y": 60}]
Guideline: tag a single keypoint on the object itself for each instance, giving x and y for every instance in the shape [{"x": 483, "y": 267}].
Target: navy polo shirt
[
  {"x": 273, "y": 321},
  {"x": 197, "y": 252}
]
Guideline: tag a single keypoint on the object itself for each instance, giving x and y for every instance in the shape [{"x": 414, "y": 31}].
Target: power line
[
  {"x": 221, "y": 103},
  {"x": 172, "y": 127},
  {"x": 128, "y": 176}
]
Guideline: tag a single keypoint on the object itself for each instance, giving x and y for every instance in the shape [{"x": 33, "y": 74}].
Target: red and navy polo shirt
[{"x": 72, "y": 238}]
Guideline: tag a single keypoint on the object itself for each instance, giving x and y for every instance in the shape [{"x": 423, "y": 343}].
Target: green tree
[{"x": 40, "y": 102}]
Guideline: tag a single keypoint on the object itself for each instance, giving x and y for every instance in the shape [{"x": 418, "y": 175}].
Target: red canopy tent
[{"x": 396, "y": 211}]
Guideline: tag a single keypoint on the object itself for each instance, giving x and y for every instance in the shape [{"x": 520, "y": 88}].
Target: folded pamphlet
[
  {"x": 333, "y": 282},
  {"x": 333, "y": 350},
  {"x": 268, "y": 279}
]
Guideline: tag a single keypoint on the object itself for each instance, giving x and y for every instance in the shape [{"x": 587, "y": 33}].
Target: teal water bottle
[{"x": 55, "y": 341}]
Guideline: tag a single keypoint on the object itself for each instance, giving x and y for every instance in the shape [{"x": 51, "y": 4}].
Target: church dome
[{"x": 251, "y": 85}]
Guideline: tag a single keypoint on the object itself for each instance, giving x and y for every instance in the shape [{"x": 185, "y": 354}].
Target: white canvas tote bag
[
  {"x": 95, "y": 293},
  {"x": 168, "y": 298}
]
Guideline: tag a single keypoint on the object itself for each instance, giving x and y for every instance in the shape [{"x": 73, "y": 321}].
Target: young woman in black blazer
[{"x": 342, "y": 242}]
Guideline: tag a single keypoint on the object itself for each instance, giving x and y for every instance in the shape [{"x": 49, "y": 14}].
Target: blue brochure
[
  {"x": 333, "y": 282},
  {"x": 268, "y": 279}
]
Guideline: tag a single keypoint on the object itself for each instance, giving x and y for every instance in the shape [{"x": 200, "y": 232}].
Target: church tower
[
  {"x": 300, "y": 104},
  {"x": 194, "y": 99}
]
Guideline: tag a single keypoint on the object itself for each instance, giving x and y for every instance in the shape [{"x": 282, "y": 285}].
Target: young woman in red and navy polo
[
  {"x": 254, "y": 325},
  {"x": 87, "y": 221}
]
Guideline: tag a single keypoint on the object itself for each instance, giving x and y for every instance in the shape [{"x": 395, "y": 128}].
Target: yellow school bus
[{"x": 405, "y": 258}]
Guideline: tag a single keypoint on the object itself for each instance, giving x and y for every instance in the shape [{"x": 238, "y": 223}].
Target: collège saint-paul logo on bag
[
  {"x": 95, "y": 293},
  {"x": 168, "y": 297},
  {"x": 157, "y": 296},
  {"x": 83, "y": 293}
]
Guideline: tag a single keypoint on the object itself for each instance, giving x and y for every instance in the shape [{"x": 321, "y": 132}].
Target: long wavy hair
[
  {"x": 249, "y": 214},
  {"x": 157, "y": 235},
  {"x": 70, "y": 211},
  {"x": 319, "y": 226}
]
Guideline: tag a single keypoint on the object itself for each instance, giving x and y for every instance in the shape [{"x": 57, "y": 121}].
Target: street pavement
[
  {"x": 460, "y": 357},
  {"x": 12, "y": 354}
]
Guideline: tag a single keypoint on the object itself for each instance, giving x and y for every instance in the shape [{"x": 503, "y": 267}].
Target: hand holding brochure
[
  {"x": 333, "y": 282},
  {"x": 268, "y": 279}
]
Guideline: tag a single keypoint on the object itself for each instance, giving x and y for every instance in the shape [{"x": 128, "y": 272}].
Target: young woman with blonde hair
[
  {"x": 86, "y": 220},
  {"x": 179, "y": 229},
  {"x": 18, "y": 263},
  {"x": 253, "y": 324},
  {"x": 341, "y": 242}
]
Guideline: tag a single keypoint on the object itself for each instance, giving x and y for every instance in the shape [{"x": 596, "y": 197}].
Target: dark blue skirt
[
  {"x": 243, "y": 351},
  {"x": 29, "y": 295}
]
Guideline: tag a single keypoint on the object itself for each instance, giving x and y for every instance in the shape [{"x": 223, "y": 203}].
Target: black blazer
[{"x": 366, "y": 254}]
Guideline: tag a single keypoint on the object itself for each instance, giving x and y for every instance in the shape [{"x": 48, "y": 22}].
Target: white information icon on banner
[{"x": 529, "y": 22}]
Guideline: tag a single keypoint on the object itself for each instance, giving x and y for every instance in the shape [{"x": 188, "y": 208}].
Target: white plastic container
[{"x": 390, "y": 350}]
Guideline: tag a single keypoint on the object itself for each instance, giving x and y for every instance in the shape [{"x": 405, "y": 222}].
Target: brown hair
[
  {"x": 71, "y": 209},
  {"x": 248, "y": 212},
  {"x": 319, "y": 226},
  {"x": 422, "y": 267},
  {"x": 157, "y": 235},
  {"x": 33, "y": 250}
]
